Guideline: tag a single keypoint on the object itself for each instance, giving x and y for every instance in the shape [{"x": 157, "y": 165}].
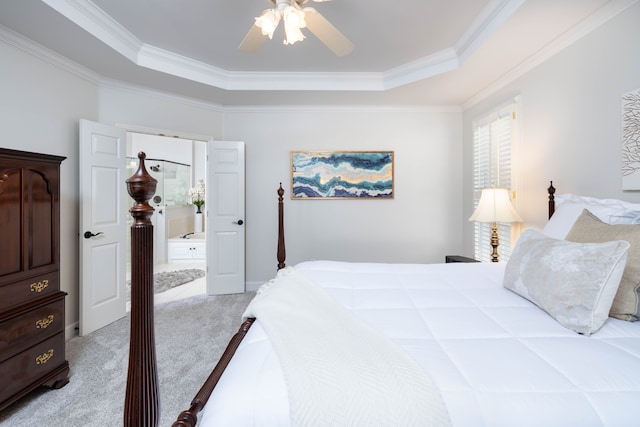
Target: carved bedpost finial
[
  {"x": 141, "y": 187},
  {"x": 280, "y": 193},
  {"x": 142, "y": 402},
  {"x": 282, "y": 253},
  {"x": 552, "y": 201}
]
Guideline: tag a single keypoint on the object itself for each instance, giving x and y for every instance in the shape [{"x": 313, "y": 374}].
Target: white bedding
[
  {"x": 329, "y": 358},
  {"x": 497, "y": 359}
]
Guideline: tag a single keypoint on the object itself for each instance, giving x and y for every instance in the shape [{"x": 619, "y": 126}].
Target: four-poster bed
[{"x": 495, "y": 354}]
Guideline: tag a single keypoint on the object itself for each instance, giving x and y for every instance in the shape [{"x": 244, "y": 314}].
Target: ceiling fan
[{"x": 295, "y": 17}]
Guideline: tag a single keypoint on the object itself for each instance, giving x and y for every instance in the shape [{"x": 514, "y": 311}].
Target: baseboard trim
[{"x": 71, "y": 331}]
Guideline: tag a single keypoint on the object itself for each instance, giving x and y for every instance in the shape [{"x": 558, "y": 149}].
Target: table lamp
[{"x": 495, "y": 207}]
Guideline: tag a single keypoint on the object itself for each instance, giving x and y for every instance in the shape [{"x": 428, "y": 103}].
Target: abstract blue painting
[{"x": 341, "y": 174}]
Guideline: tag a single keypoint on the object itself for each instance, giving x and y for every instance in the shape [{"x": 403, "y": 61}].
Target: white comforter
[
  {"x": 339, "y": 370},
  {"x": 497, "y": 359}
]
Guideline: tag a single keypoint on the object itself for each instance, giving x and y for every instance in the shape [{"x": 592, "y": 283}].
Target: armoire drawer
[
  {"x": 24, "y": 291},
  {"x": 29, "y": 366},
  {"x": 26, "y": 328}
]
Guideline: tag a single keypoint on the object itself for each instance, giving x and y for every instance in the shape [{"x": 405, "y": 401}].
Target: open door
[
  {"x": 224, "y": 207},
  {"x": 103, "y": 225}
]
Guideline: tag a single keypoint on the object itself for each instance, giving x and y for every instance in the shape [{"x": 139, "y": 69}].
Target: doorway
[
  {"x": 104, "y": 216},
  {"x": 179, "y": 254}
]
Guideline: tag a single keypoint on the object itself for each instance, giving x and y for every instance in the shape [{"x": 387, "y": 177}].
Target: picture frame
[
  {"x": 631, "y": 140},
  {"x": 342, "y": 175}
]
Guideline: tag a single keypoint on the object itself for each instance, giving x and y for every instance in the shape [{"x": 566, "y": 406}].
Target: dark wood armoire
[{"x": 32, "y": 342}]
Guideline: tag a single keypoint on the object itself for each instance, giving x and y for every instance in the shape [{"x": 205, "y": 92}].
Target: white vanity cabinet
[{"x": 186, "y": 250}]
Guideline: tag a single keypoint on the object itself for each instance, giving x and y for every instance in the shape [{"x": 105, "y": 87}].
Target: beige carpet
[
  {"x": 191, "y": 334},
  {"x": 166, "y": 280}
]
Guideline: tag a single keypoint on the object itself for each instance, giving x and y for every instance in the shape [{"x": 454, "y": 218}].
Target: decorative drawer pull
[
  {"x": 44, "y": 357},
  {"x": 43, "y": 323},
  {"x": 39, "y": 286}
]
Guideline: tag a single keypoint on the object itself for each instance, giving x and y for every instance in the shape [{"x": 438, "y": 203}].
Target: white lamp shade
[
  {"x": 495, "y": 206},
  {"x": 293, "y": 22},
  {"x": 268, "y": 22}
]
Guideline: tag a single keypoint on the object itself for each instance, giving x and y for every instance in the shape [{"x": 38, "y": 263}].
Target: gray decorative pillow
[
  {"x": 573, "y": 282},
  {"x": 588, "y": 228}
]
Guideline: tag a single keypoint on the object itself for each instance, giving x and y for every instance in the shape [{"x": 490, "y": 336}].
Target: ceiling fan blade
[
  {"x": 254, "y": 39},
  {"x": 327, "y": 33}
]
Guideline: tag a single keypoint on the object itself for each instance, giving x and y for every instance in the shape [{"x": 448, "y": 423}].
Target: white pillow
[
  {"x": 562, "y": 220},
  {"x": 592, "y": 201},
  {"x": 569, "y": 207},
  {"x": 574, "y": 282}
]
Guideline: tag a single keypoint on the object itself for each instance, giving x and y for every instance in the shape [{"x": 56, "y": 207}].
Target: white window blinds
[{"x": 493, "y": 141}]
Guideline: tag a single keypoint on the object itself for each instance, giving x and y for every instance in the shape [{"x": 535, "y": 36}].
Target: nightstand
[{"x": 458, "y": 258}]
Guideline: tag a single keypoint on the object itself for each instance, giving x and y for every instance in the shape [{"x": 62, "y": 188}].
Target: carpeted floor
[
  {"x": 170, "y": 279},
  {"x": 191, "y": 334}
]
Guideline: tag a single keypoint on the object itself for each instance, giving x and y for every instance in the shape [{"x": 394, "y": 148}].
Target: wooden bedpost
[
  {"x": 552, "y": 201},
  {"x": 142, "y": 401},
  {"x": 189, "y": 418},
  {"x": 282, "y": 253}
]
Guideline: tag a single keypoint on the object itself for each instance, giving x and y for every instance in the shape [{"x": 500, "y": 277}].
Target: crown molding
[
  {"x": 24, "y": 44},
  {"x": 20, "y": 42},
  {"x": 307, "y": 81},
  {"x": 95, "y": 21},
  {"x": 492, "y": 17},
  {"x": 98, "y": 23},
  {"x": 181, "y": 66},
  {"x": 168, "y": 62},
  {"x": 429, "y": 66},
  {"x": 322, "y": 109},
  {"x": 597, "y": 19}
]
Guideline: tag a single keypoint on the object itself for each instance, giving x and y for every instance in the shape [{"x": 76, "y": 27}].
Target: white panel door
[
  {"x": 224, "y": 207},
  {"x": 103, "y": 225}
]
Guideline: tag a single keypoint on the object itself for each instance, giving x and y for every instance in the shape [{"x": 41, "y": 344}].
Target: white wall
[
  {"x": 571, "y": 115},
  {"x": 198, "y": 162},
  {"x": 136, "y": 109},
  {"x": 422, "y": 222},
  {"x": 40, "y": 107}
]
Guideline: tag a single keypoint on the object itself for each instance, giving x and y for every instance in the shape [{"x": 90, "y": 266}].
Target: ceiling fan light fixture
[
  {"x": 293, "y": 22},
  {"x": 293, "y": 35},
  {"x": 268, "y": 22},
  {"x": 294, "y": 18}
]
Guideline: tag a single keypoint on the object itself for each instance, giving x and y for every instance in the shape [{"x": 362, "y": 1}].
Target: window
[{"x": 494, "y": 138}]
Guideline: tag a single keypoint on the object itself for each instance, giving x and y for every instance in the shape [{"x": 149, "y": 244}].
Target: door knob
[
  {"x": 239, "y": 222},
  {"x": 88, "y": 234}
]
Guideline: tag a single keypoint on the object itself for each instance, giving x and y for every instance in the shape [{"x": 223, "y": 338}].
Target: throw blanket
[{"x": 338, "y": 370}]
